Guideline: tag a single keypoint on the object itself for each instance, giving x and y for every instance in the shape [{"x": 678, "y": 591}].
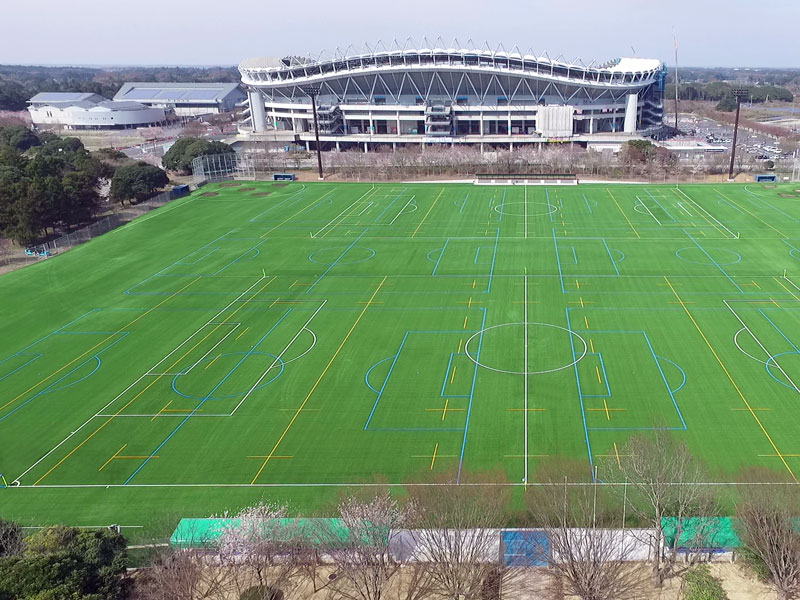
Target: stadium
[{"x": 428, "y": 94}]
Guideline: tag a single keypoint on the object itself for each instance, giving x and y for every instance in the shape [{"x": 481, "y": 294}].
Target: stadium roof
[
  {"x": 439, "y": 47},
  {"x": 176, "y": 93},
  {"x": 62, "y": 97}
]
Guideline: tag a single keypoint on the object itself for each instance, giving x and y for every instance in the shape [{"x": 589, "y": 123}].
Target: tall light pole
[
  {"x": 738, "y": 93},
  {"x": 313, "y": 91}
]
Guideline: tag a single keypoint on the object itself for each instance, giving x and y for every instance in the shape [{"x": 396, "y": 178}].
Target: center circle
[
  {"x": 545, "y": 343},
  {"x": 329, "y": 256},
  {"x": 703, "y": 259},
  {"x": 550, "y": 209}
]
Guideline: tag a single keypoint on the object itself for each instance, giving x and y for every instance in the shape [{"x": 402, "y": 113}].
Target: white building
[
  {"x": 90, "y": 111},
  {"x": 185, "y": 99}
]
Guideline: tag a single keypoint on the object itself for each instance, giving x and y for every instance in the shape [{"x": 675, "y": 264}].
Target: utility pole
[
  {"x": 738, "y": 93},
  {"x": 677, "y": 83},
  {"x": 313, "y": 91}
]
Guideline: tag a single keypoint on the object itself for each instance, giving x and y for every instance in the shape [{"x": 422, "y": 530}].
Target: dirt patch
[
  {"x": 246, "y": 189},
  {"x": 262, "y": 194},
  {"x": 230, "y": 184},
  {"x": 279, "y": 185},
  {"x": 788, "y": 195},
  {"x": 209, "y": 194}
]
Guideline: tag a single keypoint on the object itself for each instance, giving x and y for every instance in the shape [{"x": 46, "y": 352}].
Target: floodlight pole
[
  {"x": 313, "y": 92},
  {"x": 738, "y": 94}
]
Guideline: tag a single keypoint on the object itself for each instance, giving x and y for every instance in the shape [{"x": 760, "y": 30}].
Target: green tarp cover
[
  {"x": 701, "y": 532},
  {"x": 197, "y": 533}
]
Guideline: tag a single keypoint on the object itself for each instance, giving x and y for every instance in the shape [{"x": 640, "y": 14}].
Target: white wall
[{"x": 75, "y": 116}]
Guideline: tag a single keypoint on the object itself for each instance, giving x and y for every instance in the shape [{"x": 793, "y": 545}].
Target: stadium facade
[{"x": 401, "y": 95}]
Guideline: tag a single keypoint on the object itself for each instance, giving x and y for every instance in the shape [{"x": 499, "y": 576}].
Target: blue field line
[
  {"x": 725, "y": 200},
  {"x": 605, "y": 376},
  {"x": 574, "y": 256},
  {"x": 463, "y": 204},
  {"x": 785, "y": 241},
  {"x": 558, "y": 262},
  {"x": 494, "y": 260},
  {"x": 778, "y": 329},
  {"x": 197, "y": 260},
  {"x": 664, "y": 377},
  {"x": 775, "y": 208},
  {"x": 441, "y": 254},
  {"x": 716, "y": 264},
  {"x": 549, "y": 206},
  {"x": 333, "y": 264},
  {"x": 366, "y": 377},
  {"x": 52, "y": 385},
  {"x": 472, "y": 394},
  {"x": 434, "y": 430},
  {"x": 611, "y": 256},
  {"x": 22, "y": 366},
  {"x": 477, "y": 252},
  {"x": 204, "y": 400},
  {"x": 52, "y": 333},
  {"x": 586, "y": 200},
  {"x": 98, "y": 361},
  {"x": 666, "y": 212},
  {"x": 388, "y": 206},
  {"x": 683, "y": 373},
  {"x": 502, "y": 206},
  {"x": 385, "y": 381},
  {"x": 263, "y": 384},
  {"x": 240, "y": 257},
  {"x": 637, "y": 428},
  {"x": 447, "y": 373},
  {"x": 580, "y": 395},
  {"x": 278, "y": 205}
]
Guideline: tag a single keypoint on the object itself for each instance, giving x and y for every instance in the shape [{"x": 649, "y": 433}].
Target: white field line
[
  {"x": 525, "y": 377},
  {"x": 402, "y": 210},
  {"x": 775, "y": 362},
  {"x": 683, "y": 208},
  {"x": 365, "y": 209},
  {"x": 794, "y": 285},
  {"x": 525, "y": 204},
  {"x": 214, "y": 347},
  {"x": 329, "y": 223},
  {"x": 277, "y": 358},
  {"x": 355, "y": 484},
  {"x": 648, "y": 210},
  {"x": 696, "y": 205},
  {"x": 142, "y": 376}
]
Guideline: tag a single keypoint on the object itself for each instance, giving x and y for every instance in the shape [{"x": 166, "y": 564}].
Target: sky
[{"x": 729, "y": 33}]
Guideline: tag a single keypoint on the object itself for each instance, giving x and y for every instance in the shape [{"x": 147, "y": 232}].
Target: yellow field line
[
  {"x": 427, "y": 213},
  {"x": 317, "y": 382},
  {"x": 446, "y": 404},
  {"x": 752, "y": 214},
  {"x": 730, "y": 377},
  {"x": 151, "y": 384},
  {"x": 597, "y": 370},
  {"x": 433, "y": 458},
  {"x": 616, "y": 453},
  {"x": 591, "y": 343},
  {"x": 605, "y": 406},
  {"x": 453, "y": 375},
  {"x": 163, "y": 408},
  {"x": 73, "y": 361},
  {"x": 786, "y": 288},
  {"x": 623, "y": 214},
  {"x": 460, "y": 343},
  {"x": 585, "y": 320},
  {"x": 113, "y": 456},
  {"x": 245, "y": 330},
  {"x": 213, "y": 360}
]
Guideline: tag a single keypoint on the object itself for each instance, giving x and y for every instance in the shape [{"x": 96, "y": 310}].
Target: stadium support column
[
  {"x": 398, "y": 124},
  {"x": 631, "y": 109},
  {"x": 257, "y": 113}
]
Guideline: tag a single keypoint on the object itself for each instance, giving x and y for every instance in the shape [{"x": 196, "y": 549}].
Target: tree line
[
  {"x": 722, "y": 91},
  {"x": 19, "y": 83},
  {"x": 440, "y": 540}
]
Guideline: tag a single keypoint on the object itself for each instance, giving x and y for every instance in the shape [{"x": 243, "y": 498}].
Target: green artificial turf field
[{"x": 288, "y": 340}]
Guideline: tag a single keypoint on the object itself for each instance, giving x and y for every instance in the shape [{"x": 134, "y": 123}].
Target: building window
[{"x": 502, "y": 101}]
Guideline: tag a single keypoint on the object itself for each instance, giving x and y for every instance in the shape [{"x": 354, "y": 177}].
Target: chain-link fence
[
  {"x": 12, "y": 258},
  {"x": 220, "y": 167}
]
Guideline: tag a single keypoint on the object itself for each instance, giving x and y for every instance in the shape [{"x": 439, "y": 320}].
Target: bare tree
[
  {"x": 184, "y": 575},
  {"x": 663, "y": 480},
  {"x": 767, "y": 525},
  {"x": 259, "y": 545},
  {"x": 361, "y": 551},
  {"x": 586, "y": 542},
  {"x": 12, "y": 541},
  {"x": 456, "y": 535}
]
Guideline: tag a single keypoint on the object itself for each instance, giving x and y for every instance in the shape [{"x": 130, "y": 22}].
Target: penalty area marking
[{"x": 526, "y": 372}]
